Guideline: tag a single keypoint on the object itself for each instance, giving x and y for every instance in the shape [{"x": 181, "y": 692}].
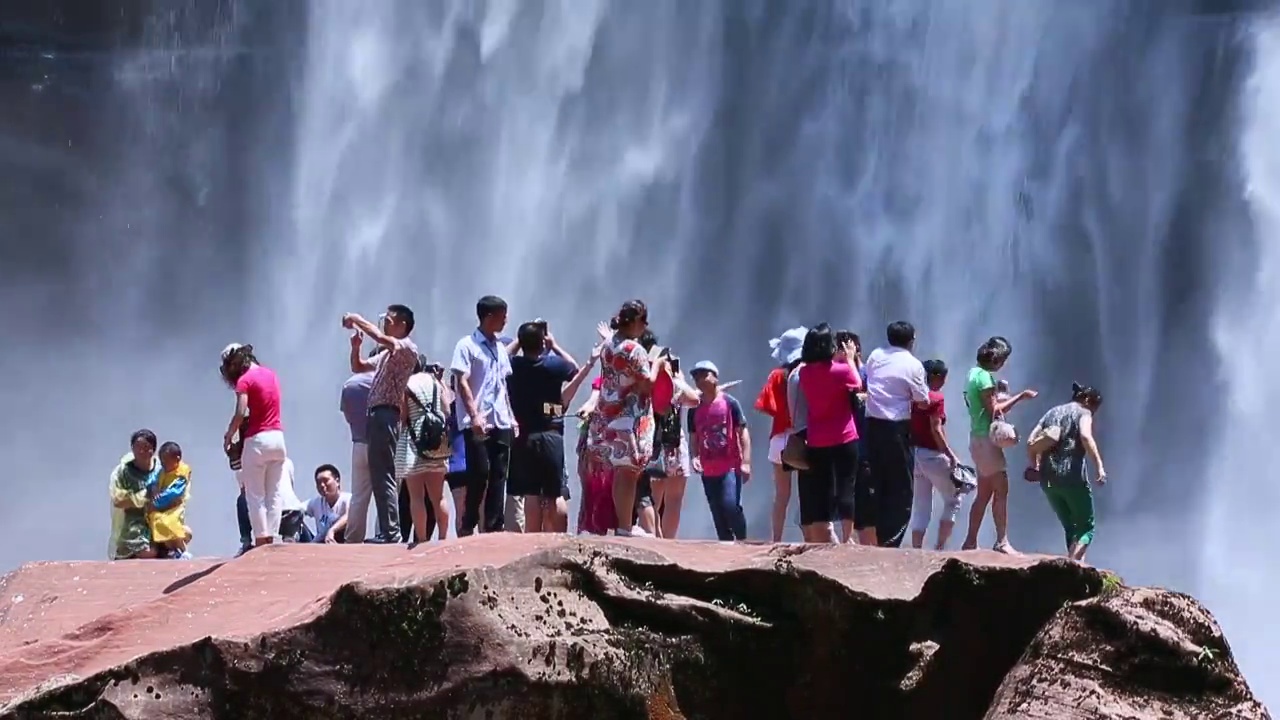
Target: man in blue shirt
[
  {"x": 480, "y": 368},
  {"x": 538, "y": 377}
]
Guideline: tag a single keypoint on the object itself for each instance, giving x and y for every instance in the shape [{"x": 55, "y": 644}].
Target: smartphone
[{"x": 675, "y": 364}]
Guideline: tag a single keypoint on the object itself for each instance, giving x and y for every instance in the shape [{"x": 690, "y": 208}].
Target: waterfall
[
  {"x": 1069, "y": 175},
  {"x": 1238, "y": 572}
]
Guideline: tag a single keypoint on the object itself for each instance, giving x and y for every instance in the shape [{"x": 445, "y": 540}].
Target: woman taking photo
[
  {"x": 256, "y": 421},
  {"x": 988, "y": 458},
  {"x": 1057, "y": 449},
  {"x": 621, "y": 430},
  {"x": 831, "y": 434}
]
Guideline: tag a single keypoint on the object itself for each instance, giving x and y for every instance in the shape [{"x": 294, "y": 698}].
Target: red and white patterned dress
[{"x": 621, "y": 429}]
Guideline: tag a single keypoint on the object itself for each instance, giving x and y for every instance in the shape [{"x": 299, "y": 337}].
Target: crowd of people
[{"x": 863, "y": 443}]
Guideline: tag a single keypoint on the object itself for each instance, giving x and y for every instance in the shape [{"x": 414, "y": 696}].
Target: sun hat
[
  {"x": 706, "y": 366},
  {"x": 786, "y": 348},
  {"x": 226, "y": 351}
]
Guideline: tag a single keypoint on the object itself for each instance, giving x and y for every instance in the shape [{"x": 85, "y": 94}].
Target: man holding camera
[{"x": 538, "y": 377}]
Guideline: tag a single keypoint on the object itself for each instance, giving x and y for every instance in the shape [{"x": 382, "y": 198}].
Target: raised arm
[
  {"x": 571, "y": 388},
  {"x": 359, "y": 364},
  {"x": 352, "y": 320}
]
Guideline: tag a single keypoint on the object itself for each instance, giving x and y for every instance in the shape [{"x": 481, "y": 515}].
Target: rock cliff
[{"x": 510, "y": 626}]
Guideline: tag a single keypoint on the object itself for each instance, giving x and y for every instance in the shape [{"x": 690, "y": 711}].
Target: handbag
[{"x": 796, "y": 453}]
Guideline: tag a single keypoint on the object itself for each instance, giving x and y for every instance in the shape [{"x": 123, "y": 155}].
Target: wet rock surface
[{"x": 510, "y": 626}]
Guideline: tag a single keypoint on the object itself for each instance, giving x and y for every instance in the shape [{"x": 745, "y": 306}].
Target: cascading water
[
  {"x": 1239, "y": 576},
  {"x": 1059, "y": 173}
]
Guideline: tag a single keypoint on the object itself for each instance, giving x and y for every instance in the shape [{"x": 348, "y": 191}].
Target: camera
[{"x": 672, "y": 358}]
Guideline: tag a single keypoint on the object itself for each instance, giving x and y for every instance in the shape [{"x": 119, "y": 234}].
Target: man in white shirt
[
  {"x": 895, "y": 381},
  {"x": 329, "y": 508}
]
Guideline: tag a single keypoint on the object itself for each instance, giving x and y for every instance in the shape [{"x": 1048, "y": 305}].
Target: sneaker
[
  {"x": 638, "y": 531},
  {"x": 244, "y": 549},
  {"x": 622, "y": 532},
  {"x": 184, "y": 555}
]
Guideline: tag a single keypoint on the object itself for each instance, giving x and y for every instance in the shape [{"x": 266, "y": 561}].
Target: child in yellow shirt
[{"x": 166, "y": 513}]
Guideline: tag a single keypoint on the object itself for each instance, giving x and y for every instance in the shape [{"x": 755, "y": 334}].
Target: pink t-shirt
[
  {"x": 826, "y": 387},
  {"x": 263, "y": 389},
  {"x": 713, "y": 427}
]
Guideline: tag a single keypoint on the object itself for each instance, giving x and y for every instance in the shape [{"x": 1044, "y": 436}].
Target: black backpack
[{"x": 429, "y": 436}]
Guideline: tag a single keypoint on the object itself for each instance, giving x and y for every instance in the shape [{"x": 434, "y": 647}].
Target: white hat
[
  {"x": 786, "y": 349},
  {"x": 226, "y": 351},
  {"x": 706, "y": 366}
]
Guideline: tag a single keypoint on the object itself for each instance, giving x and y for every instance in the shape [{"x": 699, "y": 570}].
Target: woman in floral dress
[{"x": 621, "y": 429}]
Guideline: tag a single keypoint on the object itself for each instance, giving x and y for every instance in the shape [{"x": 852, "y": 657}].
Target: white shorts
[
  {"x": 776, "y": 445},
  {"x": 988, "y": 459}
]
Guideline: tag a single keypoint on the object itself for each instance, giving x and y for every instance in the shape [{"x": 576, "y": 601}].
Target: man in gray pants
[{"x": 391, "y": 375}]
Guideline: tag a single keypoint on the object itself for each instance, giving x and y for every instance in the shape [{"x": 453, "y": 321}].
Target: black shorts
[
  {"x": 828, "y": 485},
  {"x": 456, "y": 480},
  {"x": 537, "y": 465}
]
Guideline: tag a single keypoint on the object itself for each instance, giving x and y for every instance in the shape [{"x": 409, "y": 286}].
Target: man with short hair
[
  {"x": 480, "y": 368},
  {"x": 329, "y": 508},
  {"x": 895, "y": 382},
  {"x": 536, "y": 386},
  {"x": 391, "y": 376}
]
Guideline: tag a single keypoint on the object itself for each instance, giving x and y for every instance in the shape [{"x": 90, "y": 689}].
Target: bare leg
[
  {"x": 781, "y": 499},
  {"x": 555, "y": 517},
  {"x": 532, "y": 513},
  {"x": 459, "y": 501},
  {"x": 867, "y": 536},
  {"x": 624, "y": 495},
  {"x": 847, "y": 534},
  {"x": 672, "y": 504},
  {"x": 978, "y": 511},
  {"x": 658, "y": 491},
  {"x": 917, "y": 539},
  {"x": 1000, "y": 511},
  {"x": 819, "y": 533},
  {"x": 435, "y": 493},
  {"x": 944, "y": 533},
  {"x": 417, "y": 485},
  {"x": 648, "y": 521}
]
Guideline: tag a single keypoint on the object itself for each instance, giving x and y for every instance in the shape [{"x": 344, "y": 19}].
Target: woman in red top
[
  {"x": 772, "y": 401},
  {"x": 255, "y": 425}
]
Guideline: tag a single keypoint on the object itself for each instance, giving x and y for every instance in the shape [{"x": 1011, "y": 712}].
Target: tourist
[
  {"x": 934, "y": 461},
  {"x": 167, "y": 511},
  {"x": 293, "y": 526},
  {"x": 595, "y": 475},
  {"x": 137, "y": 471},
  {"x": 1057, "y": 449},
  {"x": 391, "y": 376},
  {"x": 480, "y": 368},
  {"x": 823, "y": 409},
  {"x": 256, "y": 421},
  {"x": 721, "y": 451},
  {"x": 621, "y": 431},
  {"x": 422, "y": 455},
  {"x": 895, "y": 381},
  {"x": 988, "y": 458},
  {"x": 536, "y": 386},
  {"x": 354, "y": 405},
  {"x": 668, "y": 474},
  {"x": 849, "y": 351},
  {"x": 330, "y": 508},
  {"x": 772, "y": 401}
]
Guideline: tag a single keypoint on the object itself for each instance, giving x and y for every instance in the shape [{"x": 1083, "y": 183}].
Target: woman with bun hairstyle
[
  {"x": 988, "y": 458},
  {"x": 1057, "y": 449},
  {"x": 256, "y": 423},
  {"x": 621, "y": 429}
]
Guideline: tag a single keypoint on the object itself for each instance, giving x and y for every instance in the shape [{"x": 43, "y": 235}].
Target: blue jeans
[{"x": 724, "y": 497}]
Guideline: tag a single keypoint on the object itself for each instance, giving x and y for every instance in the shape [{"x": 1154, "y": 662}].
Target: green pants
[{"x": 1072, "y": 502}]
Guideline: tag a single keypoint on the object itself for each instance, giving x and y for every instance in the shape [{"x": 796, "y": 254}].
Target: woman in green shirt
[{"x": 988, "y": 459}]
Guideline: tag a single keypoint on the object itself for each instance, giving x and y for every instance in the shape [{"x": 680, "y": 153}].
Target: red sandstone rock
[{"x": 551, "y": 627}]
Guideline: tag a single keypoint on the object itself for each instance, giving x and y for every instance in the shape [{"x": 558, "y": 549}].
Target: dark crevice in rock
[{"x": 637, "y": 637}]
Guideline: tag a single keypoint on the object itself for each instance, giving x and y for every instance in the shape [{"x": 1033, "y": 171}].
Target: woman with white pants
[{"x": 256, "y": 420}]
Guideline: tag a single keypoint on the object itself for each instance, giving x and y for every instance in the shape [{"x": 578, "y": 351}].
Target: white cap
[
  {"x": 786, "y": 349},
  {"x": 226, "y": 351},
  {"x": 706, "y": 366}
]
